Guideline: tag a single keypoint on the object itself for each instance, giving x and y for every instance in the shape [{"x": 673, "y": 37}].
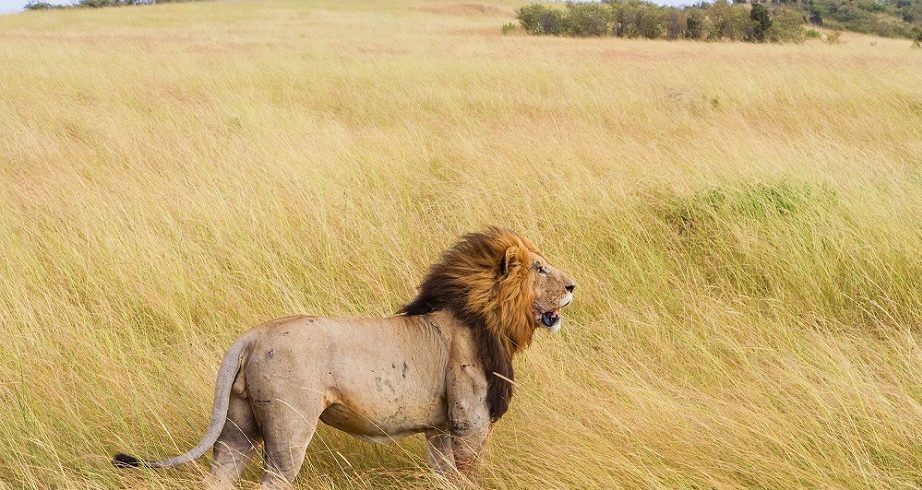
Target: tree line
[{"x": 782, "y": 21}]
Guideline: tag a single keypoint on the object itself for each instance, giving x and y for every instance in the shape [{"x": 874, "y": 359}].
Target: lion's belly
[{"x": 382, "y": 426}]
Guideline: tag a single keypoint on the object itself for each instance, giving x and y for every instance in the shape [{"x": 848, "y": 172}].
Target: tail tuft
[{"x": 125, "y": 461}]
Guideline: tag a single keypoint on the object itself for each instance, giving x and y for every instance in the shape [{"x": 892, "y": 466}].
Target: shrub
[
  {"x": 676, "y": 23},
  {"x": 917, "y": 37},
  {"x": 887, "y": 27},
  {"x": 812, "y": 34},
  {"x": 694, "y": 25},
  {"x": 637, "y": 19},
  {"x": 728, "y": 22},
  {"x": 509, "y": 27},
  {"x": 42, "y": 6},
  {"x": 540, "y": 19},
  {"x": 650, "y": 21},
  {"x": 786, "y": 26},
  {"x": 588, "y": 19},
  {"x": 761, "y": 202},
  {"x": 815, "y": 17},
  {"x": 761, "y": 23}
]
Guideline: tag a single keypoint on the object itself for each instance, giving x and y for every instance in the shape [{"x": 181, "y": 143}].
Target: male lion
[{"x": 442, "y": 367}]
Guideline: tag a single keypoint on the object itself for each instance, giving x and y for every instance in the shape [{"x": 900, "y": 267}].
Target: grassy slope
[{"x": 743, "y": 221}]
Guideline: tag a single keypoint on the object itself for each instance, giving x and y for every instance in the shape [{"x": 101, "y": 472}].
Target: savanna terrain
[{"x": 744, "y": 222}]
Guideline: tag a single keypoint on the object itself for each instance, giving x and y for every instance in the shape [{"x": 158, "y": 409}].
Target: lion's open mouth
[{"x": 550, "y": 318}]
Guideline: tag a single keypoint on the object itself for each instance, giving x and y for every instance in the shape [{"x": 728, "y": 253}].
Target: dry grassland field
[{"x": 744, "y": 222}]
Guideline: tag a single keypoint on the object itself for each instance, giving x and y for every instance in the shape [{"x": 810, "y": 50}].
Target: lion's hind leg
[
  {"x": 287, "y": 430},
  {"x": 234, "y": 449}
]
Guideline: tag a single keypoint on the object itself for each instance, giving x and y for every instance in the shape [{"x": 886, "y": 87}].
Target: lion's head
[{"x": 500, "y": 285}]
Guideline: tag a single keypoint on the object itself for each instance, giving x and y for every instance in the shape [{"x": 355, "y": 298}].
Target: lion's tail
[{"x": 226, "y": 375}]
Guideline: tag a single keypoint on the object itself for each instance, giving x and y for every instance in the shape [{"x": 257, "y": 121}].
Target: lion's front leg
[
  {"x": 451, "y": 455},
  {"x": 441, "y": 456},
  {"x": 468, "y": 413},
  {"x": 467, "y": 444}
]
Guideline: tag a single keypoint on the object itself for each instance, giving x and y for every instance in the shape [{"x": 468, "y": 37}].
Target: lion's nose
[{"x": 570, "y": 287}]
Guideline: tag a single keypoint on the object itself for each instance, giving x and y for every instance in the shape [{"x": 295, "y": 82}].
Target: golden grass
[{"x": 743, "y": 220}]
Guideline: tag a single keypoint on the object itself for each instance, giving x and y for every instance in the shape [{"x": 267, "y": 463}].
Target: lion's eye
[{"x": 542, "y": 270}]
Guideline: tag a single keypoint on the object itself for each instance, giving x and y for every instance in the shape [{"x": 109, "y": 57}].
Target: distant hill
[{"x": 888, "y": 18}]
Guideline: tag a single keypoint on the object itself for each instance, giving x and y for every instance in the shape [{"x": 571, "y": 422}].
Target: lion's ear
[{"x": 510, "y": 260}]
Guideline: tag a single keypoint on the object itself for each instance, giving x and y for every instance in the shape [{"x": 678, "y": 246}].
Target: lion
[{"x": 442, "y": 367}]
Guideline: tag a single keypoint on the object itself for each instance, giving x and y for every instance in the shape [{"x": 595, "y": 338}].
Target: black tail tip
[{"x": 125, "y": 461}]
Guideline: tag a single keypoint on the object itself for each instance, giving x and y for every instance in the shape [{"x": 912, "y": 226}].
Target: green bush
[
  {"x": 727, "y": 21},
  {"x": 787, "y": 26},
  {"x": 676, "y": 23},
  {"x": 761, "y": 23},
  {"x": 588, "y": 19},
  {"x": 694, "y": 25},
  {"x": 541, "y": 19},
  {"x": 650, "y": 21},
  {"x": 761, "y": 202},
  {"x": 638, "y": 19},
  {"x": 42, "y": 6}
]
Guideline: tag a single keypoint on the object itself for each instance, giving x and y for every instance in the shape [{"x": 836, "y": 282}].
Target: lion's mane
[{"x": 484, "y": 281}]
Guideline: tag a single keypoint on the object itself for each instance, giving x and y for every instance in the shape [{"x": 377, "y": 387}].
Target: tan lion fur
[{"x": 442, "y": 367}]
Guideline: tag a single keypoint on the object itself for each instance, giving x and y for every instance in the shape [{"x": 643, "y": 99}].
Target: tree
[
  {"x": 694, "y": 25},
  {"x": 761, "y": 22},
  {"x": 540, "y": 19},
  {"x": 786, "y": 26},
  {"x": 588, "y": 19}
]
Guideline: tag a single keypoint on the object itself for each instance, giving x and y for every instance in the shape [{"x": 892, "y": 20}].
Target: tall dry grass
[{"x": 743, "y": 220}]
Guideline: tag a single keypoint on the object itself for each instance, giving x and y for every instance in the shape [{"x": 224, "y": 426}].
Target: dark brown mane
[{"x": 483, "y": 281}]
